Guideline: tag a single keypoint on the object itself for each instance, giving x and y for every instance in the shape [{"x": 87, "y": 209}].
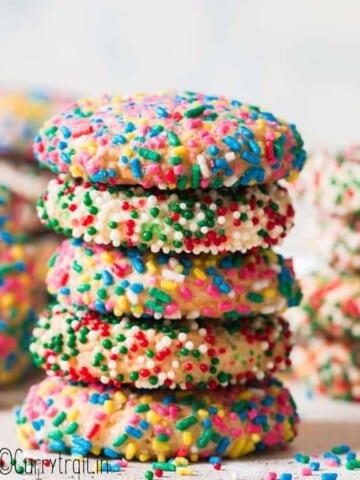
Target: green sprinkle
[
  {"x": 164, "y": 466},
  {"x": 195, "y": 176},
  {"x": 160, "y": 295},
  {"x": 173, "y": 139},
  {"x": 144, "y": 407},
  {"x": 60, "y": 417},
  {"x": 120, "y": 440},
  {"x": 195, "y": 112},
  {"x": 185, "y": 423},
  {"x": 255, "y": 297},
  {"x": 149, "y": 154}
]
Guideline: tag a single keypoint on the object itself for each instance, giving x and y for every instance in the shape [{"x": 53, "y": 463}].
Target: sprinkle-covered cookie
[
  {"x": 15, "y": 359},
  {"x": 329, "y": 367},
  {"x": 156, "y": 424},
  {"x": 21, "y": 115},
  {"x": 330, "y": 307},
  {"x": 170, "y": 141},
  {"x": 171, "y": 286},
  {"x": 83, "y": 345},
  {"x": 196, "y": 222},
  {"x": 331, "y": 181}
]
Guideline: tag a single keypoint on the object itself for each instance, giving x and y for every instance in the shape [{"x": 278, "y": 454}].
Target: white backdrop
[{"x": 298, "y": 58}]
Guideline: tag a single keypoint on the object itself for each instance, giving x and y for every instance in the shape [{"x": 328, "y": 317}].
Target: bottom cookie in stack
[
  {"x": 329, "y": 367},
  {"x": 156, "y": 424}
]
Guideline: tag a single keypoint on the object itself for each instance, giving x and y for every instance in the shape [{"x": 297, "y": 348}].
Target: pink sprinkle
[
  {"x": 236, "y": 432},
  {"x": 171, "y": 308},
  {"x": 178, "y": 169},
  {"x": 100, "y": 415},
  {"x": 186, "y": 293},
  {"x": 243, "y": 309},
  {"x": 68, "y": 402},
  {"x": 306, "y": 471},
  {"x": 225, "y": 306},
  {"x": 213, "y": 291},
  {"x": 208, "y": 312},
  {"x": 270, "y": 476},
  {"x": 253, "y": 429},
  {"x": 123, "y": 463},
  {"x": 330, "y": 462}
]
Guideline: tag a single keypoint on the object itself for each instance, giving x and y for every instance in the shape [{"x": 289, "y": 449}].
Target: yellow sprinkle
[
  {"x": 128, "y": 152},
  {"x": 160, "y": 446},
  {"x": 179, "y": 151},
  {"x": 179, "y": 268},
  {"x": 108, "y": 406},
  {"x": 95, "y": 450},
  {"x": 151, "y": 266},
  {"x": 73, "y": 414},
  {"x": 152, "y": 417},
  {"x": 75, "y": 171},
  {"x": 199, "y": 274},
  {"x": 194, "y": 457},
  {"x": 184, "y": 471},
  {"x": 137, "y": 310},
  {"x": 130, "y": 451},
  {"x": 168, "y": 285},
  {"x": 210, "y": 262},
  {"x": 181, "y": 461},
  {"x": 221, "y": 413},
  {"x": 7, "y": 300},
  {"x": 107, "y": 257},
  {"x": 255, "y": 437},
  {"x": 21, "y": 435},
  {"x": 144, "y": 457},
  {"x": 122, "y": 303},
  {"x": 85, "y": 278},
  {"x": 269, "y": 293},
  {"x": 120, "y": 397},
  {"x": 202, "y": 414},
  {"x": 187, "y": 438}
]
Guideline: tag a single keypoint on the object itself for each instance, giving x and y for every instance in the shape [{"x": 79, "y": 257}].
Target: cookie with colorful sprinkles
[
  {"x": 202, "y": 222},
  {"x": 230, "y": 285},
  {"x": 170, "y": 141},
  {"x": 156, "y": 424},
  {"x": 21, "y": 115},
  {"x": 329, "y": 367},
  {"x": 86, "y": 346}
]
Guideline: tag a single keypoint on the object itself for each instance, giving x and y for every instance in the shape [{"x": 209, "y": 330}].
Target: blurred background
[{"x": 299, "y": 59}]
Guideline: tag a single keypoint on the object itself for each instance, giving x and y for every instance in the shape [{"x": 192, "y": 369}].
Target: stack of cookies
[
  {"x": 167, "y": 327},
  {"x": 327, "y": 322},
  {"x": 24, "y": 251}
]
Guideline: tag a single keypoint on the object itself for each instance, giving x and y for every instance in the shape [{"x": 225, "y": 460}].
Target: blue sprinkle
[
  {"x": 38, "y": 424},
  {"x": 236, "y": 103},
  {"x": 213, "y": 150},
  {"x": 99, "y": 176},
  {"x": 222, "y": 446},
  {"x": 135, "y": 166},
  {"x": 269, "y": 116},
  {"x": 212, "y": 410},
  {"x": 315, "y": 466},
  {"x": 351, "y": 456},
  {"x": 329, "y": 476},
  {"x": 65, "y": 291},
  {"x": 118, "y": 139},
  {"x": 109, "y": 452},
  {"x": 279, "y": 417},
  {"x": 168, "y": 400},
  {"x": 267, "y": 401},
  {"x": 342, "y": 449},
  {"x": 155, "y": 131},
  {"x": 137, "y": 288},
  {"x": 124, "y": 283},
  {"x": 81, "y": 442},
  {"x": 100, "y": 307},
  {"x": 260, "y": 419},
  {"x": 124, "y": 160},
  {"x": 214, "y": 459},
  {"x": 138, "y": 265},
  {"x": 256, "y": 174},
  {"x": 65, "y": 157},
  {"x": 103, "y": 398},
  {"x": 94, "y": 398},
  {"x": 285, "y": 476},
  {"x": 251, "y": 158},
  {"x": 130, "y": 127},
  {"x": 161, "y": 112},
  {"x": 144, "y": 425},
  {"x": 254, "y": 147},
  {"x": 66, "y": 133},
  {"x": 224, "y": 288},
  {"x": 62, "y": 145},
  {"x": 6, "y": 237},
  {"x": 133, "y": 432},
  {"x": 207, "y": 423},
  {"x": 56, "y": 446},
  {"x": 107, "y": 278},
  {"x": 246, "y": 132},
  {"x": 232, "y": 143}
]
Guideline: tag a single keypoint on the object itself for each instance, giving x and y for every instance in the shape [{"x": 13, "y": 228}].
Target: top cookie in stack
[{"x": 173, "y": 202}]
